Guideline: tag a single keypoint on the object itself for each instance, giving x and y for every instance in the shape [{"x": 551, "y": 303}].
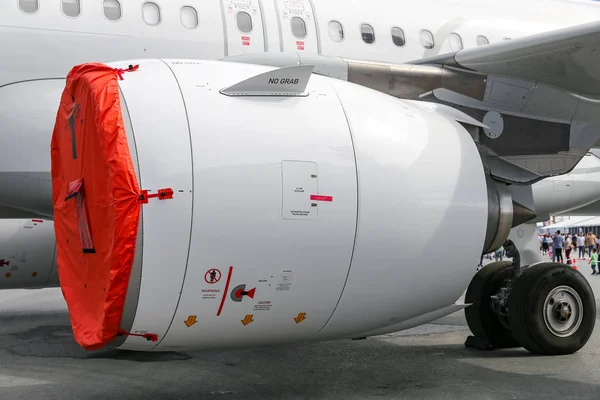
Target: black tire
[
  {"x": 527, "y": 312},
  {"x": 483, "y": 322}
]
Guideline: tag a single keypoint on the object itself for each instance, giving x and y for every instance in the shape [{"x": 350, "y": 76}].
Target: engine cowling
[{"x": 292, "y": 218}]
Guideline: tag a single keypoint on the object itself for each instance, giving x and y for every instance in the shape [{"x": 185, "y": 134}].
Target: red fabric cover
[{"x": 94, "y": 188}]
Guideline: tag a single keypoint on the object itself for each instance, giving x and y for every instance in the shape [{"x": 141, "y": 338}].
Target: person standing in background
[
  {"x": 557, "y": 247},
  {"x": 546, "y": 244},
  {"x": 594, "y": 262},
  {"x": 590, "y": 242},
  {"x": 581, "y": 245}
]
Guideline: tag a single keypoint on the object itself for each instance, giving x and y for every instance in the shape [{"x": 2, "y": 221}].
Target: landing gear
[
  {"x": 489, "y": 326},
  {"x": 547, "y": 308},
  {"x": 552, "y": 309}
]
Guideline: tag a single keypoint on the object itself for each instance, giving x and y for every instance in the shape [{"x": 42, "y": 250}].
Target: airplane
[{"x": 276, "y": 157}]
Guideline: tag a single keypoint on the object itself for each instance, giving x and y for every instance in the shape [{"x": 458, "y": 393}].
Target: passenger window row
[
  {"x": 112, "y": 10},
  {"x": 151, "y": 14},
  {"x": 336, "y": 33}
]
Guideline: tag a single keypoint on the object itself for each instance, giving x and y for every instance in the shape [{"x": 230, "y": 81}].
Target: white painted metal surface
[
  {"x": 273, "y": 252},
  {"x": 162, "y": 139},
  {"x": 92, "y": 37},
  {"x": 296, "y": 266},
  {"x": 297, "y": 26},
  {"x": 27, "y": 115},
  {"x": 23, "y": 266},
  {"x": 300, "y": 179},
  {"x": 244, "y": 26},
  {"x": 402, "y": 198},
  {"x": 562, "y": 194}
]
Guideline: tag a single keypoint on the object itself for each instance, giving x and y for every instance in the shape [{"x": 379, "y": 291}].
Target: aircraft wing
[
  {"x": 567, "y": 58},
  {"x": 537, "y": 97}
]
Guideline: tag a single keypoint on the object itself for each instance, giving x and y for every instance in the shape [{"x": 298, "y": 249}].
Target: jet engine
[{"x": 202, "y": 204}]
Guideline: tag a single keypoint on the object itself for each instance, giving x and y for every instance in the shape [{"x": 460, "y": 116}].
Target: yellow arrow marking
[
  {"x": 190, "y": 321},
  {"x": 248, "y": 320},
  {"x": 301, "y": 317},
  {"x": 7, "y": 275}
]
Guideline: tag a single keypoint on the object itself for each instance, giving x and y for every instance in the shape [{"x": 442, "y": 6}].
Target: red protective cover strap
[{"x": 96, "y": 203}]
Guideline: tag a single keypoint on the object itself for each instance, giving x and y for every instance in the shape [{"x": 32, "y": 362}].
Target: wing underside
[
  {"x": 542, "y": 100},
  {"x": 566, "y": 58}
]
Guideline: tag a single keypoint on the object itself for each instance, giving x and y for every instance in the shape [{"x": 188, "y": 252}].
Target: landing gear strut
[{"x": 547, "y": 308}]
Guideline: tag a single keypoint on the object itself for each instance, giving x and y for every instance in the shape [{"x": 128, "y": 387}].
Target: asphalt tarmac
[{"x": 40, "y": 360}]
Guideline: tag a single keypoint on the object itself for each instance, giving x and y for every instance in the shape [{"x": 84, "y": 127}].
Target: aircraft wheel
[
  {"x": 552, "y": 309},
  {"x": 482, "y": 320}
]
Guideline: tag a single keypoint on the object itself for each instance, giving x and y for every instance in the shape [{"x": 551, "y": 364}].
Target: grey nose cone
[{"x": 521, "y": 214}]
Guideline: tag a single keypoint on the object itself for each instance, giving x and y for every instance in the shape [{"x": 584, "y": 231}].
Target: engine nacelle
[
  {"x": 27, "y": 254},
  {"x": 315, "y": 216}
]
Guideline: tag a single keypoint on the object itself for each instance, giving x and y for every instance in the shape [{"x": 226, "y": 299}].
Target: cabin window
[
  {"x": 455, "y": 42},
  {"x": 398, "y": 37},
  {"x": 368, "y": 33},
  {"x": 244, "y": 22},
  {"x": 482, "y": 40},
  {"x": 189, "y": 17},
  {"x": 29, "y": 6},
  {"x": 336, "y": 31},
  {"x": 427, "y": 39},
  {"x": 71, "y": 8},
  {"x": 151, "y": 13},
  {"x": 112, "y": 10},
  {"x": 298, "y": 27}
]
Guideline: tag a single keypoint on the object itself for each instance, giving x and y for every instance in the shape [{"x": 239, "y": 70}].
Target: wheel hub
[{"x": 563, "y": 311}]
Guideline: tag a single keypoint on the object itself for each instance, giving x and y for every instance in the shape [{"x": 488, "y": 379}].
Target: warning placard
[
  {"x": 285, "y": 281},
  {"x": 300, "y": 180},
  {"x": 212, "y": 276},
  {"x": 263, "y": 306},
  {"x": 210, "y": 294}
]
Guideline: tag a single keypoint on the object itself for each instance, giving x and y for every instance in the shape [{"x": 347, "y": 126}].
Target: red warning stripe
[
  {"x": 225, "y": 291},
  {"x": 37, "y": 220},
  {"x": 318, "y": 197}
]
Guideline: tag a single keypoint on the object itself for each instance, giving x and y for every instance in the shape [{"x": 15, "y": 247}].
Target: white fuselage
[
  {"x": 48, "y": 43},
  {"x": 575, "y": 193}
]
